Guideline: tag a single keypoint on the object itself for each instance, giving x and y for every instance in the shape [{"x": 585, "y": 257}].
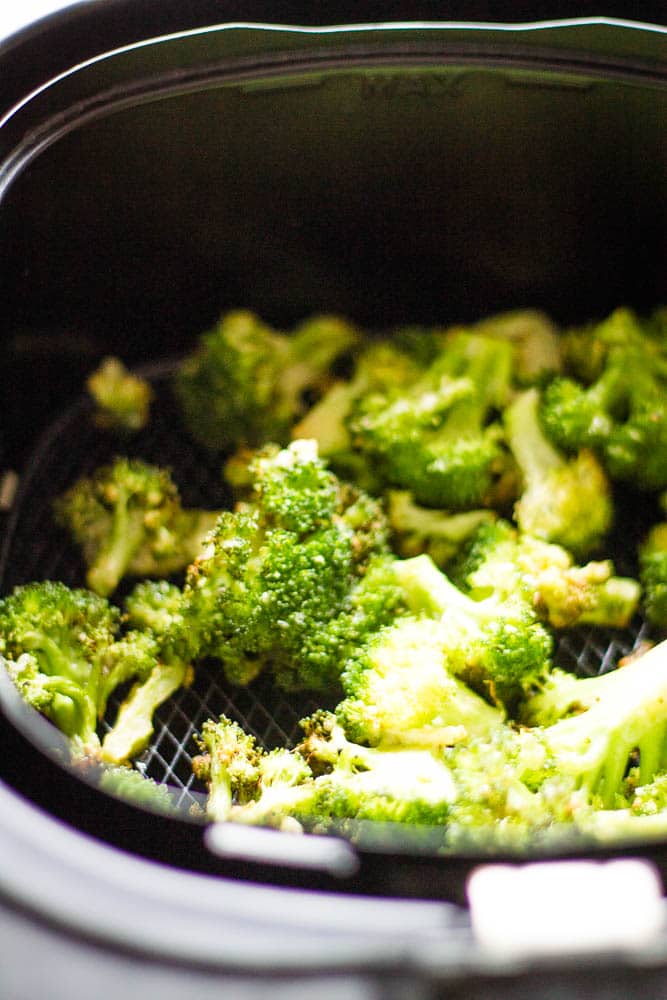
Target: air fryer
[{"x": 427, "y": 173}]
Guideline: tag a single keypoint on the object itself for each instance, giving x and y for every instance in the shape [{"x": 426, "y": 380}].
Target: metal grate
[{"x": 35, "y": 548}]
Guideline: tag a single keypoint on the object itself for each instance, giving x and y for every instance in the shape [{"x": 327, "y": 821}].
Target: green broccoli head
[
  {"x": 621, "y": 414},
  {"x": 246, "y": 383},
  {"x": 438, "y": 438},
  {"x": 400, "y": 690},
  {"x": 509, "y": 792},
  {"x": 596, "y": 727},
  {"x": 295, "y": 577},
  {"x": 498, "y": 646},
  {"x": 500, "y": 561},
  {"x": 128, "y": 519},
  {"x": 122, "y": 399},
  {"x": 66, "y": 656},
  {"x": 153, "y": 606},
  {"x": 565, "y": 499},
  {"x": 55, "y": 636}
]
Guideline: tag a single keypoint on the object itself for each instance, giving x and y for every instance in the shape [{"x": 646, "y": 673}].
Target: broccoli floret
[
  {"x": 325, "y": 778},
  {"x": 64, "y": 651},
  {"x": 295, "y": 578},
  {"x": 159, "y": 643},
  {"x": 565, "y": 499},
  {"x": 126, "y": 783},
  {"x": 53, "y": 637},
  {"x": 499, "y": 560},
  {"x": 128, "y": 520},
  {"x": 438, "y": 438},
  {"x": 381, "y": 366},
  {"x": 509, "y": 792},
  {"x": 535, "y": 343},
  {"x": 247, "y": 383},
  {"x": 122, "y": 400},
  {"x": 595, "y": 726},
  {"x": 400, "y": 690},
  {"x": 438, "y": 533},
  {"x": 238, "y": 772},
  {"x": 653, "y": 572},
  {"x": 622, "y": 415},
  {"x": 153, "y": 605},
  {"x": 593, "y": 758},
  {"x": 497, "y": 646}
]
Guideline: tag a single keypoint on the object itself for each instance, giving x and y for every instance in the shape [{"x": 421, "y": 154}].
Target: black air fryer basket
[{"x": 401, "y": 172}]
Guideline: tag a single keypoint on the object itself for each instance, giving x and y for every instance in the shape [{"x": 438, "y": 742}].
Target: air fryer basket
[{"x": 405, "y": 173}]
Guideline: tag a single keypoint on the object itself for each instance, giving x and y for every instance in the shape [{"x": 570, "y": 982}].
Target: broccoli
[
  {"x": 122, "y": 400},
  {"x": 590, "y": 756},
  {"x": 325, "y": 778},
  {"x": 124, "y": 781},
  {"x": 246, "y": 383},
  {"x": 52, "y": 638},
  {"x": 64, "y": 651},
  {"x": 159, "y": 632},
  {"x": 622, "y": 415},
  {"x": 380, "y": 366},
  {"x": 535, "y": 343},
  {"x": 594, "y": 726},
  {"x": 128, "y": 519},
  {"x": 498, "y": 647},
  {"x": 653, "y": 571},
  {"x": 509, "y": 792},
  {"x": 438, "y": 533},
  {"x": 153, "y": 605},
  {"x": 133, "y": 726},
  {"x": 438, "y": 438},
  {"x": 400, "y": 690},
  {"x": 564, "y": 500},
  {"x": 294, "y": 578},
  {"x": 501, "y": 561},
  {"x": 236, "y": 769}
]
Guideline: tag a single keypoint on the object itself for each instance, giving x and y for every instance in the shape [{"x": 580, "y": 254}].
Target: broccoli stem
[
  {"x": 73, "y": 711},
  {"x": 116, "y": 554},
  {"x": 53, "y": 659},
  {"x": 618, "y": 713},
  {"x": 428, "y": 590},
  {"x": 133, "y": 727},
  {"x": 534, "y": 453}
]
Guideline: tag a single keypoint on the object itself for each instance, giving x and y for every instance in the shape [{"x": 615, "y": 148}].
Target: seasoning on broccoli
[{"x": 128, "y": 519}]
